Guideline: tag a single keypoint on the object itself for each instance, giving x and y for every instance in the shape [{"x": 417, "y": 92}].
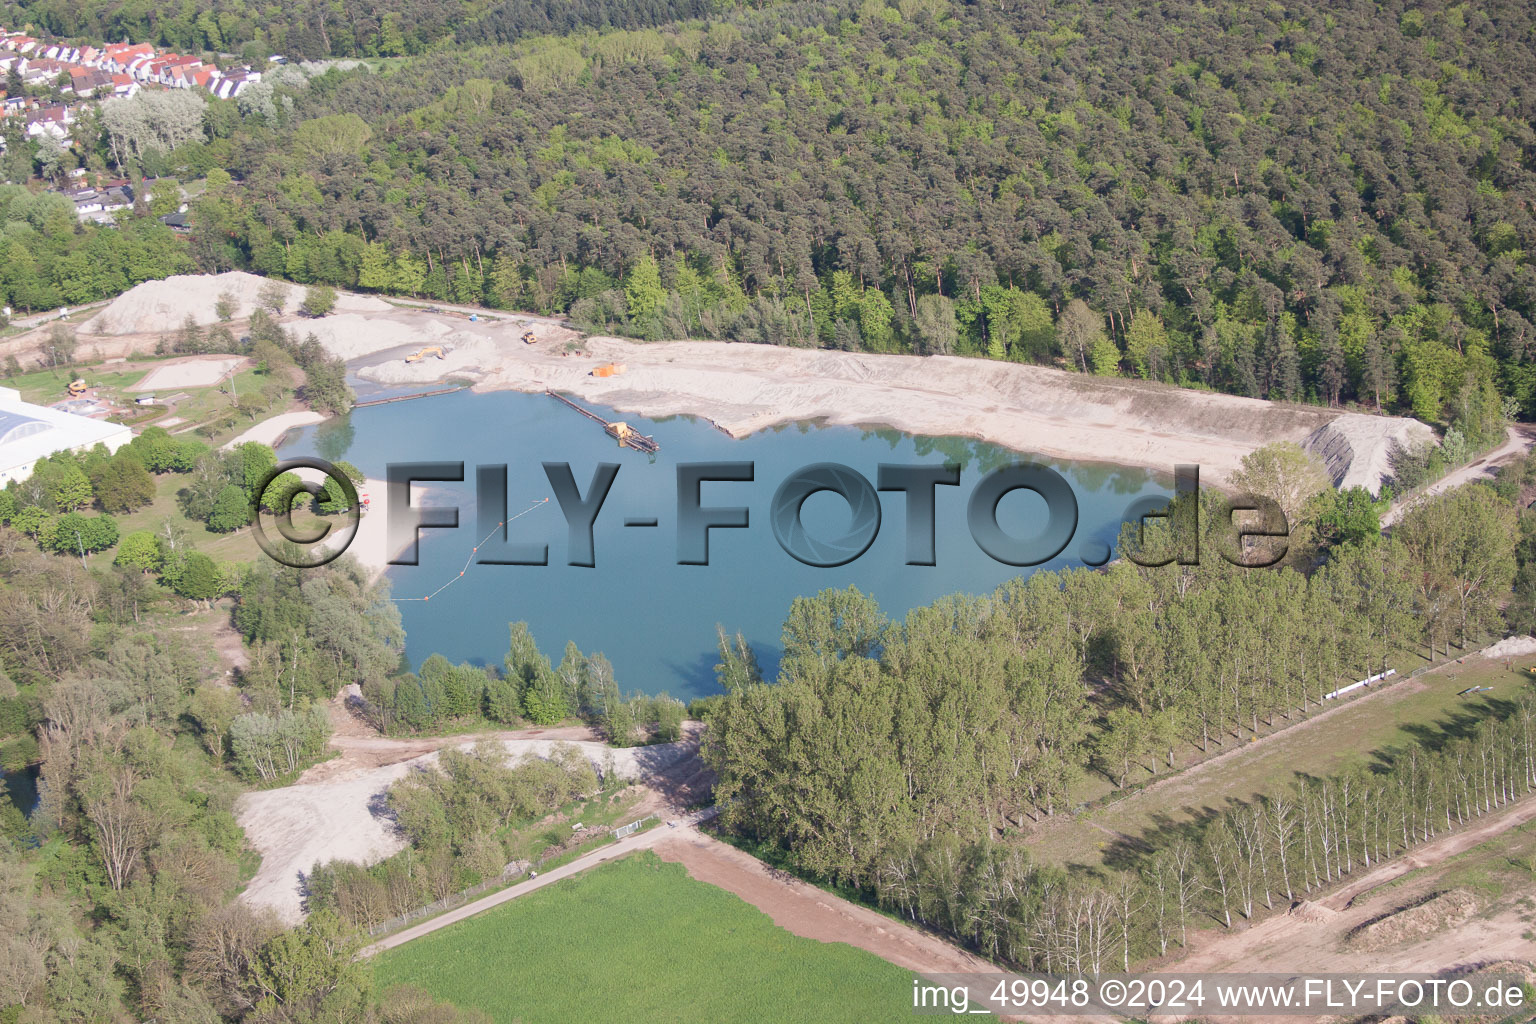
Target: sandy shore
[
  {"x": 269, "y": 432},
  {"x": 369, "y": 547},
  {"x": 745, "y": 388}
]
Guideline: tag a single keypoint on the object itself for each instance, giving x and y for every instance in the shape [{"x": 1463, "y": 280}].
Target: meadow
[
  {"x": 1359, "y": 734},
  {"x": 638, "y": 940}
]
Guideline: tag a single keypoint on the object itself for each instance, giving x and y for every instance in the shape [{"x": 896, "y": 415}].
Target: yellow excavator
[
  {"x": 76, "y": 388},
  {"x": 422, "y": 353}
]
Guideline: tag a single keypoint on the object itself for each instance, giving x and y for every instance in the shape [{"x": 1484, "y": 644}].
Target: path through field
[
  {"x": 793, "y": 905},
  {"x": 642, "y": 841}
]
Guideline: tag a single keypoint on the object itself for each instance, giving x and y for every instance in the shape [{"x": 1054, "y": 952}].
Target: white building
[{"x": 29, "y": 433}]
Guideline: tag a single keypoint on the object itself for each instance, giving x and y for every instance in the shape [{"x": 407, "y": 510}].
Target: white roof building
[{"x": 29, "y": 433}]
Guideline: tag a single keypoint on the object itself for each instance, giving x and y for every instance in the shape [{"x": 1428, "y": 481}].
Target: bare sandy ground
[
  {"x": 745, "y": 388},
  {"x": 193, "y": 372},
  {"x": 336, "y": 810},
  {"x": 270, "y": 431},
  {"x": 1314, "y": 937},
  {"x": 162, "y": 306}
]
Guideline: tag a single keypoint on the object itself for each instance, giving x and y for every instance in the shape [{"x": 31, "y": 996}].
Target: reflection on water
[{"x": 653, "y": 618}]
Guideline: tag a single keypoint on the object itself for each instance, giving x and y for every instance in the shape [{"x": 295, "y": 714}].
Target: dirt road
[
  {"x": 1313, "y": 937},
  {"x": 813, "y": 913},
  {"x": 1432, "y": 853},
  {"x": 642, "y": 841},
  {"x": 1520, "y": 438}
]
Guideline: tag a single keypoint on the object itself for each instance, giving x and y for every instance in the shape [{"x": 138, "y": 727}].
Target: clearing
[
  {"x": 216, "y": 385},
  {"x": 335, "y": 811},
  {"x": 639, "y": 940},
  {"x": 1355, "y": 732}
]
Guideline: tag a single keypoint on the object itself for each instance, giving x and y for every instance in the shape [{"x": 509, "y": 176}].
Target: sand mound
[
  {"x": 1312, "y": 913},
  {"x": 161, "y": 306},
  {"x": 1511, "y": 647},
  {"x": 350, "y": 335},
  {"x": 1407, "y": 924},
  {"x": 465, "y": 355},
  {"x": 1357, "y": 448}
]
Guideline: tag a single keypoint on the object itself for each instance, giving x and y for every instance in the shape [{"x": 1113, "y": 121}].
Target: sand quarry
[{"x": 744, "y": 388}]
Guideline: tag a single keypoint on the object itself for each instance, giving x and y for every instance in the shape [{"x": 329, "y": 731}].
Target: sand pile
[
  {"x": 351, "y": 335},
  {"x": 159, "y": 307},
  {"x": 1357, "y": 448},
  {"x": 1444, "y": 910},
  {"x": 1312, "y": 913},
  {"x": 1511, "y": 647}
]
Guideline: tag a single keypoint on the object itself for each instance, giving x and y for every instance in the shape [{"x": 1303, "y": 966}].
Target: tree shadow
[
  {"x": 1131, "y": 852},
  {"x": 698, "y": 675}
]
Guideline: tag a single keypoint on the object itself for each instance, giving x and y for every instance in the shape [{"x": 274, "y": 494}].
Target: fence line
[
  {"x": 520, "y": 867},
  {"x": 632, "y": 827},
  {"x": 457, "y": 899}
]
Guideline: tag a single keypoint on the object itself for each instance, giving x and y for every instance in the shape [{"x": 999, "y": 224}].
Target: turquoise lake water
[{"x": 654, "y": 619}]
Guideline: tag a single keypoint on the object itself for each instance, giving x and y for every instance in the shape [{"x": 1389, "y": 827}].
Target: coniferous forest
[{"x": 1319, "y": 202}]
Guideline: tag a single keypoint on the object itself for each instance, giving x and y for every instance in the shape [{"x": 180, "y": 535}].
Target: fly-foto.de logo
[{"x": 1049, "y": 534}]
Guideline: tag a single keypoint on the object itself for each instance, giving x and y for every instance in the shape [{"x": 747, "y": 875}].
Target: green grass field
[
  {"x": 638, "y": 941},
  {"x": 1423, "y": 709},
  {"x": 239, "y": 546}
]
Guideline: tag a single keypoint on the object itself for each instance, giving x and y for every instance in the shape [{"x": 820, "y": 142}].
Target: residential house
[
  {"x": 42, "y": 71},
  {"x": 53, "y": 120},
  {"x": 86, "y": 200},
  {"x": 85, "y": 82},
  {"x": 232, "y": 83},
  {"x": 118, "y": 58}
]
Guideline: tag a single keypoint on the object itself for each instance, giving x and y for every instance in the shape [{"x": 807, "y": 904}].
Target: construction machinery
[
  {"x": 76, "y": 388},
  {"x": 627, "y": 436},
  {"x": 529, "y": 338},
  {"x": 422, "y": 353}
]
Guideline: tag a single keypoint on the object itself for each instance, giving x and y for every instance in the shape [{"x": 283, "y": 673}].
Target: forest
[
  {"x": 905, "y": 759},
  {"x": 1325, "y": 203},
  {"x": 47, "y": 259},
  {"x": 312, "y": 29}
]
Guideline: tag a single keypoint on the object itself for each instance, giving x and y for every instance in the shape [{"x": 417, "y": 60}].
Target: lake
[{"x": 653, "y": 618}]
